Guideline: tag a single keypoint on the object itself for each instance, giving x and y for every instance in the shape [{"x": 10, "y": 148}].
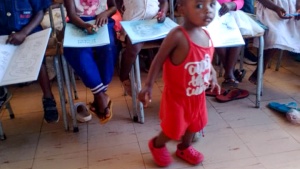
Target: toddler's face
[{"x": 199, "y": 12}]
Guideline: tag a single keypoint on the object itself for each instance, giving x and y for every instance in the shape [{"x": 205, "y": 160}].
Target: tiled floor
[{"x": 238, "y": 136}]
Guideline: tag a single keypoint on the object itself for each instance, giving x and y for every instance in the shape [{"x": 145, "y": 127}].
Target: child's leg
[
  {"x": 49, "y": 104},
  {"x": 105, "y": 56},
  {"x": 128, "y": 58},
  {"x": 267, "y": 57},
  {"x": 186, "y": 152},
  {"x": 45, "y": 82},
  {"x": 186, "y": 140},
  {"x": 228, "y": 58},
  {"x": 161, "y": 140},
  {"x": 159, "y": 151},
  {"x": 82, "y": 61}
]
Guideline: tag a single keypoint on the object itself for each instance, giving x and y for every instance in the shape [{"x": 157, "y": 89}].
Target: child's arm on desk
[
  {"x": 169, "y": 44},
  {"x": 18, "y": 38}
]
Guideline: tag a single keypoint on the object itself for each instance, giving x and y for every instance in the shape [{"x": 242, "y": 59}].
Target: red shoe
[
  {"x": 161, "y": 156},
  {"x": 190, "y": 155}
]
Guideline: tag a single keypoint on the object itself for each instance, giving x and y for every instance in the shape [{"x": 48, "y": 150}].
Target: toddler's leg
[
  {"x": 186, "y": 152},
  {"x": 159, "y": 151}
]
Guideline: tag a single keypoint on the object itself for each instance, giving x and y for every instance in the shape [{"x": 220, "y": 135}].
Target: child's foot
[
  {"x": 253, "y": 79},
  {"x": 161, "y": 156},
  {"x": 105, "y": 115},
  {"x": 127, "y": 87},
  {"x": 190, "y": 155},
  {"x": 50, "y": 110}
]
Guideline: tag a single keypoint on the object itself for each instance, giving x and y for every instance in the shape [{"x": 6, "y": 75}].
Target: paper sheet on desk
[
  {"x": 22, "y": 63},
  {"x": 224, "y": 30},
  {"x": 147, "y": 30},
  {"x": 76, "y": 37}
]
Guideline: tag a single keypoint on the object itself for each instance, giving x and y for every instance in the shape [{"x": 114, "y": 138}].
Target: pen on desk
[
  {"x": 94, "y": 30},
  {"x": 293, "y": 14}
]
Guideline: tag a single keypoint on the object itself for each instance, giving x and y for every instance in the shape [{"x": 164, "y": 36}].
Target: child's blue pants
[{"x": 94, "y": 65}]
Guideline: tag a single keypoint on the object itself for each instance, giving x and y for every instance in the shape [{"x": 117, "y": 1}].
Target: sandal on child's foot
[
  {"x": 103, "y": 116},
  {"x": 161, "y": 155},
  {"x": 107, "y": 115},
  {"x": 190, "y": 155},
  {"x": 230, "y": 83}
]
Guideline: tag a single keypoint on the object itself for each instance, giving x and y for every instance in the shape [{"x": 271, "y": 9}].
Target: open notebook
[
  {"x": 224, "y": 30},
  {"x": 147, "y": 30},
  {"x": 22, "y": 63},
  {"x": 77, "y": 37}
]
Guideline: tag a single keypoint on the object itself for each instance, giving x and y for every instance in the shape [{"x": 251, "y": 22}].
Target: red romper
[{"x": 183, "y": 103}]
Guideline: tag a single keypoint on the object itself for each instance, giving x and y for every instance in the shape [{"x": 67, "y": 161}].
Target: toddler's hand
[
  {"x": 161, "y": 16},
  {"x": 16, "y": 38},
  {"x": 145, "y": 96},
  {"x": 214, "y": 81},
  {"x": 214, "y": 84}
]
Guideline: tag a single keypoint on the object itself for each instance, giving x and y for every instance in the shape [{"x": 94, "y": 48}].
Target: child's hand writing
[
  {"x": 145, "y": 95},
  {"x": 90, "y": 29},
  {"x": 101, "y": 19},
  {"x": 16, "y": 38},
  {"x": 161, "y": 16}
]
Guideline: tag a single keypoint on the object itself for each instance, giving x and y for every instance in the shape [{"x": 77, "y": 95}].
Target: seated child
[
  {"x": 188, "y": 51},
  {"x": 229, "y": 55},
  {"x": 18, "y": 20},
  {"x": 138, "y": 10},
  {"x": 283, "y": 31},
  {"x": 94, "y": 65}
]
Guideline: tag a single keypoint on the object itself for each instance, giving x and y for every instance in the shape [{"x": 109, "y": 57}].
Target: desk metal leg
[
  {"x": 279, "y": 60},
  {"x": 72, "y": 76},
  {"x": 242, "y": 58},
  {"x": 67, "y": 79},
  {"x": 61, "y": 91},
  {"x": 139, "y": 88},
  {"x": 2, "y": 135},
  {"x": 133, "y": 94},
  {"x": 10, "y": 111},
  {"x": 260, "y": 72}
]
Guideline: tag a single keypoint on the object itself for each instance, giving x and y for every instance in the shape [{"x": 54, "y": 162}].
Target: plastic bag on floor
[{"x": 293, "y": 115}]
